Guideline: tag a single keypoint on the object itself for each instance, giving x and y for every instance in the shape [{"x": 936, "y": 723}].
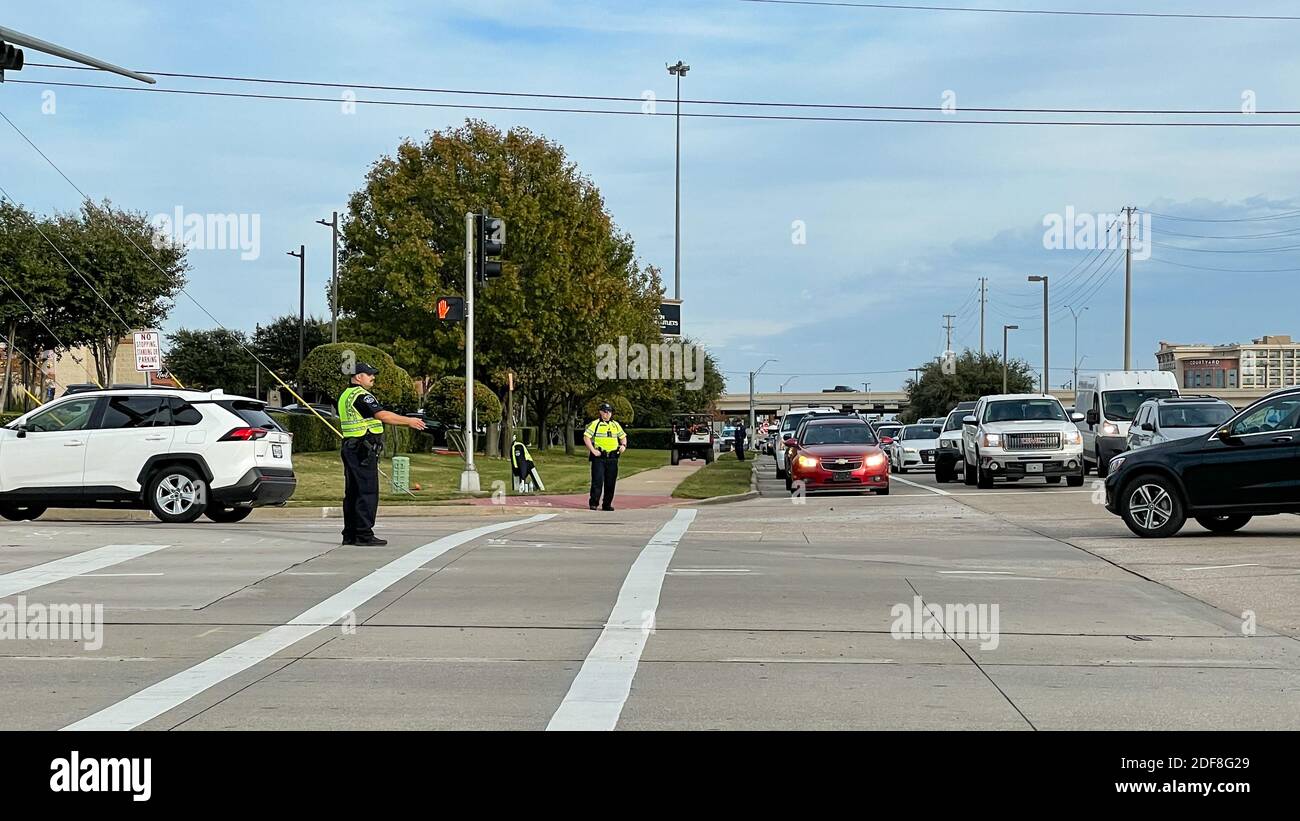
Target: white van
[{"x": 1109, "y": 401}]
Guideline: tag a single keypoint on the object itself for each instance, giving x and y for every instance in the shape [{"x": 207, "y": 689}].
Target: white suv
[
  {"x": 179, "y": 453},
  {"x": 1014, "y": 436}
]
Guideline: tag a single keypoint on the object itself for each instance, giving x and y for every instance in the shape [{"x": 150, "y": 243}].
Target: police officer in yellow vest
[
  {"x": 362, "y": 421},
  {"x": 605, "y": 440}
]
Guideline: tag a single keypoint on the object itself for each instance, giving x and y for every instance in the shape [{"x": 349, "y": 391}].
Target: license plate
[
  {"x": 1033, "y": 467},
  {"x": 841, "y": 475},
  {"x": 277, "y": 451}
]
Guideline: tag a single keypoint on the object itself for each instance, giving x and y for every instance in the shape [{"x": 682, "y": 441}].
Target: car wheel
[
  {"x": 674, "y": 457},
  {"x": 780, "y": 474},
  {"x": 968, "y": 474},
  {"x": 175, "y": 494},
  {"x": 1226, "y": 523},
  {"x": 1076, "y": 481},
  {"x": 227, "y": 515},
  {"x": 1053, "y": 480},
  {"x": 942, "y": 475},
  {"x": 1151, "y": 507},
  {"x": 983, "y": 479},
  {"x": 883, "y": 491},
  {"x": 902, "y": 469},
  {"x": 21, "y": 513},
  {"x": 708, "y": 456},
  {"x": 1102, "y": 467}
]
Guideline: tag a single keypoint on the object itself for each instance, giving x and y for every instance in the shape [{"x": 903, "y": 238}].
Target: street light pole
[
  {"x": 302, "y": 301},
  {"x": 752, "y": 374},
  {"x": 1075, "y": 383},
  {"x": 1046, "y": 325},
  {"x": 1006, "y": 328},
  {"x": 786, "y": 382},
  {"x": 333, "y": 225},
  {"x": 679, "y": 71}
]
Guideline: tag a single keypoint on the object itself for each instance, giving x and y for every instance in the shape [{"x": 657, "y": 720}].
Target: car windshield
[
  {"x": 920, "y": 432},
  {"x": 1122, "y": 406},
  {"x": 954, "y": 420},
  {"x": 836, "y": 434},
  {"x": 790, "y": 421},
  {"x": 1020, "y": 410},
  {"x": 1194, "y": 416}
]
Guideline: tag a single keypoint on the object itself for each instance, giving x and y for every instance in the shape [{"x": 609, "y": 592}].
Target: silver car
[{"x": 1165, "y": 420}]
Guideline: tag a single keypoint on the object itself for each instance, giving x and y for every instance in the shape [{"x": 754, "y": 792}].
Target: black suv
[{"x": 1249, "y": 466}]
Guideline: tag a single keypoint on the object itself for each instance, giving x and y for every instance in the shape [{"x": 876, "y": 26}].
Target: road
[{"x": 768, "y": 613}]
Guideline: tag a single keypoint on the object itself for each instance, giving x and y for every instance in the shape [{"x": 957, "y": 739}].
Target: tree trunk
[
  {"x": 492, "y": 444},
  {"x": 568, "y": 426},
  {"x": 540, "y": 410}
]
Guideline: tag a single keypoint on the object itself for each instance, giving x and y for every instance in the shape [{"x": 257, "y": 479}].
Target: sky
[{"x": 835, "y": 248}]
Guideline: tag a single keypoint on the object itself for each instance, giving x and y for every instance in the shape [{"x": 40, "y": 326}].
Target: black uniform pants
[
  {"x": 740, "y": 449},
  {"x": 360, "y": 487},
  {"x": 604, "y": 474}
]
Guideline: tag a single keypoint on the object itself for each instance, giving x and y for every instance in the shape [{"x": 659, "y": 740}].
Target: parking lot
[{"x": 768, "y": 613}]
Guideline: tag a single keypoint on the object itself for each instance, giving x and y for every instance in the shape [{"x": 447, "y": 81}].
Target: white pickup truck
[{"x": 1018, "y": 436}]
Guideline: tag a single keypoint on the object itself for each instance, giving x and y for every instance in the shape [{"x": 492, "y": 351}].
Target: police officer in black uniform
[{"x": 362, "y": 420}]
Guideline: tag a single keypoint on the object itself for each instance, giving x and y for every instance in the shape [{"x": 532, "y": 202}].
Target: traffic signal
[
  {"x": 450, "y": 308},
  {"x": 489, "y": 241},
  {"x": 11, "y": 59}
]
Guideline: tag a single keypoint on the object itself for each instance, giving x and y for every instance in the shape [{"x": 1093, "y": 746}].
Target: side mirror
[
  {"x": 969, "y": 420},
  {"x": 1149, "y": 426},
  {"x": 1224, "y": 435},
  {"x": 1075, "y": 416},
  {"x": 790, "y": 442},
  {"x": 887, "y": 440},
  {"x": 1093, "y": 417},
  {"x": 22, "y": 431}
]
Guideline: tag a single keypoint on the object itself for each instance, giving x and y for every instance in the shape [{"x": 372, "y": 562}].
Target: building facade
[{"x": 1267, "y": 363}]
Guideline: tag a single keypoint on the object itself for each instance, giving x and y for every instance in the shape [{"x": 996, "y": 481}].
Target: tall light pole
[
  {"x": 752, "y": 374},
  {"x": 1046, "y": 324},
  {"x": 1077, "y": 360},
  {"x": 333, "y": 225},
  {"x": 1006, "y": 328},
  {"x": 786, "y": 382},
  {"x": 679, "y": 71},
  {"x": 302, "y": 301}
]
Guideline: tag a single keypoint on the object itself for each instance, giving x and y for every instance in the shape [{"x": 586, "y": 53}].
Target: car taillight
[{"x": 244, "y": 435}]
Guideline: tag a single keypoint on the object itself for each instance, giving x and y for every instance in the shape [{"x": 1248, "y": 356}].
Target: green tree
[
  {"x": 935, "y": 393},
  {"x": 276, "y": 343},
  {"x": 623, "y": 411},
  {"x": 326, "y": 373},
  {"x": 212, "y": 359},
  {"x": 34, "y": 288},
  {"x": 571, "y": 281},
  {"x": 446, "y": 402}
]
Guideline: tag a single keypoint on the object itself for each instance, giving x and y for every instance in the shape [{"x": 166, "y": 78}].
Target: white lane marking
[
  {"x": 208, "y": 632},
  {"x": 169, "y": 693},
  {"x": 69, "y": 566},
  {"x": 596, "y": 697},
  {"x": 707, "y": 570},
  {"x": 977, "y": 572},
  {"x": 1221, "y": 567},
  {"x": 940, "y": 491},
  {"x": 116, "y": 575}
]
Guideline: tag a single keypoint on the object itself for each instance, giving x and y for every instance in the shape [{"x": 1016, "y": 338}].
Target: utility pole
[
  {"x": 948, "y": 318},
  {"x": 1006, "y": 328},
  {"x": 679, "y": 71},
  {"x": 1046, "y": 326},
  {"x": 333, "y": 225},
  {"x": 983, "y": 300},
  {"x": 1077, "y": 361},
  {"x": 469, "y": 476},
  {"x": 1128, "y": 287},
  {"x": 302, "y": 301}
]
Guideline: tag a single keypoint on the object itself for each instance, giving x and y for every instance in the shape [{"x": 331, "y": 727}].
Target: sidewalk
[{"x": 649, "y": 488}]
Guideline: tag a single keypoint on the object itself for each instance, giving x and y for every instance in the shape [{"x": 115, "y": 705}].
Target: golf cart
[{"x": 692, "y": 437}]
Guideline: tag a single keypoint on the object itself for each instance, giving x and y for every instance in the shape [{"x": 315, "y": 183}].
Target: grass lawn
[
  {"x": 725, "y": 477},
  {"x": 320, "y": 475}
]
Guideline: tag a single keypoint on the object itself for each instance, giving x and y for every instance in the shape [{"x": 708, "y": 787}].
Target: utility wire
[
  {"x": 1062, "y": 12},
  {"x": 694, "y": 114},
  {"x": 1282, "y": 216}
]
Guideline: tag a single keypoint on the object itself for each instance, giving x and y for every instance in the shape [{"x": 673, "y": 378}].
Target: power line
[
  {"x": 696, "y": 114},
  {"x": 641, "y": 100},
  {"x": 1225, "y": 250},
  {"x": 1290, "y": 232},
  {"x": 1061, "y": 12},
  {"x": 1231, "y": 270},
  {"x": 1285, "y": 215}
]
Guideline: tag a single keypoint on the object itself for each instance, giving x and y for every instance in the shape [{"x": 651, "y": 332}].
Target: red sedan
[{"x": 838, "y": 454}]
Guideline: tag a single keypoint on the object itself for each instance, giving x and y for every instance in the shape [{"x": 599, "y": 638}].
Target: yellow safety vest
[
  {"x": 606, "y": 442},
  {"x": 352, "y": 423}
]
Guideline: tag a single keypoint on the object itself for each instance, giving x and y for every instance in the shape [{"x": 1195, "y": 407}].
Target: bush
[
  {"x": 622, "y": 408},
  {"x": 445, "y": 401},
  {"x": 311, "y": 435},
  {"x": 650, "y": 438},
  {"x": 322, "y": 372}
]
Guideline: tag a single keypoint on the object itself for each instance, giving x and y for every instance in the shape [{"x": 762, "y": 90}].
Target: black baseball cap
[
  {"x": 605, "y": 406},
  {"x": 362, "y": 367}
]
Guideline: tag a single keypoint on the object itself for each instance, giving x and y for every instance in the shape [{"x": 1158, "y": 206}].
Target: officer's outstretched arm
[{"x": 390, "y": 418}]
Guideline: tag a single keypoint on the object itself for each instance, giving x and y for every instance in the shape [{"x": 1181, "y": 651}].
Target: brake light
[{"x": 244, "y": 435}]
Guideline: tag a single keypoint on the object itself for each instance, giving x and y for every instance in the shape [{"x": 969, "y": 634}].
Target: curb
[{"x": 719, "y": 500}]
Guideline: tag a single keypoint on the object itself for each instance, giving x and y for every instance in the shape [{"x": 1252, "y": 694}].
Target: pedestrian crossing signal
[{"x": 450, "y": 308}]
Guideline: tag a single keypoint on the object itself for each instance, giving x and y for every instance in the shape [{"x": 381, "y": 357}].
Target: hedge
[
  {"x": 322, "y": 372},
  {"x": 311, "y": 435},
  {"x": 650, "y": 438}
]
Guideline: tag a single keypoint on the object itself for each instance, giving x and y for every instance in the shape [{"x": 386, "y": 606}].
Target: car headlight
[
  {"x": 1073, "y": 437},
  {"x": 1109, "y": 429},
  {"x": 807, "y": 462},
  {"x": 1117, "y": 463},
  {"x": 948, "y": 444},
  {"x": 874, "y": 460},
  {"x": 991, "y": 440}
]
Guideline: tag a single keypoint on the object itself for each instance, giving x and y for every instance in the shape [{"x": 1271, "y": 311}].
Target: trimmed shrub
[
  {"x": 650, "y": 438},
  {"x": 622, "y": 408},
  {"x": 445, "y": 401},
  {"x": 323, "y": 373}
]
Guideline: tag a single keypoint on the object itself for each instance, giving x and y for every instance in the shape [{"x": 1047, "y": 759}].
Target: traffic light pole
[{"x": 469, "y": 482}]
